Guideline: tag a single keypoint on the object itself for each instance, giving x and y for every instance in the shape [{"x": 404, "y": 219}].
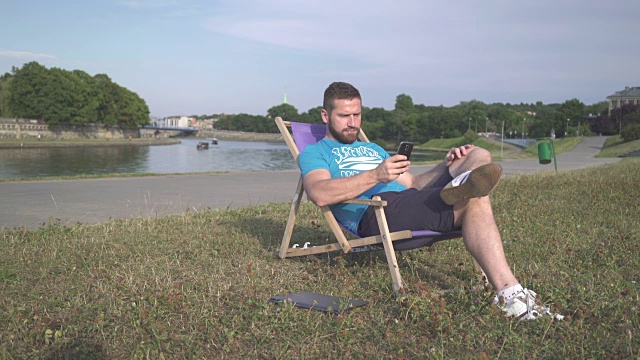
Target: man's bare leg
[
  {"x": 479, "y": 230},
  {"x": 483, "y": 241}
]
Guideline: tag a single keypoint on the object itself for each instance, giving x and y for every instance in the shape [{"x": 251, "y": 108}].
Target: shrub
[
  {"x": 630, "y": 132},
  {"x": 470, "y": 137}
]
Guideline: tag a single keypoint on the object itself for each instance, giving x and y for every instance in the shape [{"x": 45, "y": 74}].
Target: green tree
[
  {"x": 87, "y": 98},
  {"x": 132, "y": 111},
  {"x": 59, "y": 96},
  {"x": 572, "y": 109},
  {"x": 404, "y": 103},
  {"x": 374, "y": 120},
  {"x": 29, "y": 92},
  {"x": 247, "y": 122},
  {"x": 5, "y": 85},
  {"x": 106, "y": 110},
  {"x": 312, "y": 116},
  {"x": 426, "y": 128},
  {"x": 286, "y": 111},
  {"x": 402, "y": 124},
  {"x": 596, "y": 109}
]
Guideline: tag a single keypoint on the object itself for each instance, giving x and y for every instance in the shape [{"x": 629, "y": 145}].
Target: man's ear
[{"x": 325, "y": 116}]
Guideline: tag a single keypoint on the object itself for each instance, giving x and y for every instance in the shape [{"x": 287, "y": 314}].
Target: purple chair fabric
[{"x": 306, "y": 134}]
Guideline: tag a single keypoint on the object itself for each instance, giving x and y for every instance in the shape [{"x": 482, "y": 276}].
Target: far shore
[{"x": 32, "y": 143}]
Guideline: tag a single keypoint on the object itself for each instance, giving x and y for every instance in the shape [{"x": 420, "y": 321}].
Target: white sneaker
[{"x": 524, "y": 306}]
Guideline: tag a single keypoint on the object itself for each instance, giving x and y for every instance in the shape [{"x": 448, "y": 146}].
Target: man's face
[{"x": 344, "y": 121}]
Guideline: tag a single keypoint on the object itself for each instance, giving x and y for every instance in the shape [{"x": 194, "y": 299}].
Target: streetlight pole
[
  {"x": 476, "y": 125},
  {"x": 578, "y": 133},
  {"x": 469, "y": 124},
  {"x": 523, "y": 120},
  {"x": 502, "y": 142},
  {"x": 566, "y": 131}
]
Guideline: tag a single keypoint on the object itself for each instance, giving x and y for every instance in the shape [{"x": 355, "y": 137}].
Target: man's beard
[{"x": 342, "y": 137}]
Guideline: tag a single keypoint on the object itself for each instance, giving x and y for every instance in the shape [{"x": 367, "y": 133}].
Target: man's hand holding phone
[{"x": 405, "y": 149}]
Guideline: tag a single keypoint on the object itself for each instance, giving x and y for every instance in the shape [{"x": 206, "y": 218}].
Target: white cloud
[
  {"x": 405, "y": 34},
  {"x": 25, "y": 55}
]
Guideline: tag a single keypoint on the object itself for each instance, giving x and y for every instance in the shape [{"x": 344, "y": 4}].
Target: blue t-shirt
[{"x": 344, "y": 160}]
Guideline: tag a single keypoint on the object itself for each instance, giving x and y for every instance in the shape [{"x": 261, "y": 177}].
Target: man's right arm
[{"x": 323, "y": 190}]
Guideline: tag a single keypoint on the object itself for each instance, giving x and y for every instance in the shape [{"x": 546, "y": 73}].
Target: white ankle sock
[{"x": 510, "y": 293}]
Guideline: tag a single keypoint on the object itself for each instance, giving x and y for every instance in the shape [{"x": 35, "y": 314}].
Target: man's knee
[
  {"x": 480, "y": 154},
  {"x": 476, "y": 156},
  {"x": 469, "y": 207}
]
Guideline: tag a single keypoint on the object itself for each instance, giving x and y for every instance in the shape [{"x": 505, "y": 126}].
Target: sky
[{"x": 197, "y": 57}]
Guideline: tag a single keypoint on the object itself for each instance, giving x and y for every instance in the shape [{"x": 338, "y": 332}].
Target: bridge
[{"x": 186, "y": 129}]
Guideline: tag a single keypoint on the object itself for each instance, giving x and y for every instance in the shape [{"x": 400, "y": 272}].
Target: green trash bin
[{"x": 544, "y": 153}]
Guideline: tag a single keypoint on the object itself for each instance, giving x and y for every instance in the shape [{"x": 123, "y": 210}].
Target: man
[{"x": 452, "y": 195}]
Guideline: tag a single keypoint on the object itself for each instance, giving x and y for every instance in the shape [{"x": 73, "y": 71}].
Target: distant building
[
  {"x": 628, "y": 96},
  {"x": 181, "y": 121},
  {"x": 204, "y": 124}
]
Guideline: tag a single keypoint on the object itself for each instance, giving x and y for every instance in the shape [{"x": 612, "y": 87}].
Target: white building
[{"x": 181, "y": 121}]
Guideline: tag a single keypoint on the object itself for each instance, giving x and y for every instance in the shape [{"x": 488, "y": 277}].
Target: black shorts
[{"x": 412, "y": 209}]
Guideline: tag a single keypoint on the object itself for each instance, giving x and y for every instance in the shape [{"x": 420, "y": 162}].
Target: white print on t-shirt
[{"x": 353, "y": 160}]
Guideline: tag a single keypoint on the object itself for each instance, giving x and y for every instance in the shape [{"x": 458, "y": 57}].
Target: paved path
[{"x": 30, "y": 204}]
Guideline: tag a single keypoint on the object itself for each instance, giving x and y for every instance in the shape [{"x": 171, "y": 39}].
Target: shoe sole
[{"x": 482, "y": 180}]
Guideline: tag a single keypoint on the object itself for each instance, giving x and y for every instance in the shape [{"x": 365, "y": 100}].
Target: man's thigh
[{"x": 411, "y": 210}]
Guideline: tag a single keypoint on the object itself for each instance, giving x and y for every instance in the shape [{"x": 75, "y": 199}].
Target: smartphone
[{"x": 405, "y": 149}]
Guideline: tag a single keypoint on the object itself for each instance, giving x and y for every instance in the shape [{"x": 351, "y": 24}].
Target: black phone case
[{"x": 405, "y": 149}]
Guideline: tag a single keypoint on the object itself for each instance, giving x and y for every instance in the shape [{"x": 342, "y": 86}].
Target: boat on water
[
  {"x": 202, "y": 145},
  {"x": 214, "y": 141}
]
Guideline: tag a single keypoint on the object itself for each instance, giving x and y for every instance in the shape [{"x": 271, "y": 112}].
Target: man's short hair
[{"x": 339, "y": 91}]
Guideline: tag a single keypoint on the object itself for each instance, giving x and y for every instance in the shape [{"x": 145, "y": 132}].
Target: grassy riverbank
[
  {"x": 615, "y": 146},
  {"x": 49, "y": 143},
  {"x": 501, "y": 151},
  {"x": 196, "y": 285}
]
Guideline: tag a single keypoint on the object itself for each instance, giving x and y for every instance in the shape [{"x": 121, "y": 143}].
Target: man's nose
[{"x": 352, "y": 121}]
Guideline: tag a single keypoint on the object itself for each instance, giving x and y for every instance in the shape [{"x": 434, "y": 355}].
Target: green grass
[
  {"x": 561, "y": 145},
  {"x": 498, "y": 150},
  {"x": 442, "y": 144},
  {"x": 615, "y": 146},
  {"x": 196, "y": 285}
]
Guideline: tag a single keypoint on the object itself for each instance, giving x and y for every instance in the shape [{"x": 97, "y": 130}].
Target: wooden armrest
[{"x": 366, "y": 202}]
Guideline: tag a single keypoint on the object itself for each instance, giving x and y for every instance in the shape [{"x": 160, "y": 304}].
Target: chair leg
[
  {"x": 288, "y": 231},
  {"x": 388, "y": 248},
  {"x": 335, "y": 228}
]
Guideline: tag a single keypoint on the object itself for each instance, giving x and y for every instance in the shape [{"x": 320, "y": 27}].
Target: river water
[{"x": 165, "y": 159}]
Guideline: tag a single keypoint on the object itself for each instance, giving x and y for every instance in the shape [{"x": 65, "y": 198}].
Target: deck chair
[{"x": 297, "y": 136}]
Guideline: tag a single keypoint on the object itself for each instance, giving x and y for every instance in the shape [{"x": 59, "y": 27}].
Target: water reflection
[
  {"x": 226, "y": 156},
  {"x": 179, "y": 158},
  {"x": 71, "y": 161}
]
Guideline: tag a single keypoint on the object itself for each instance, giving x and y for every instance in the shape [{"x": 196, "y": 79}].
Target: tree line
[
  {"x": 420, "y": 123},
  {"x": 58, "y": 96}
]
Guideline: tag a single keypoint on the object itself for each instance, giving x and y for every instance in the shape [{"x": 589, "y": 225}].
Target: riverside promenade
[{"x": 32, "y": 204}]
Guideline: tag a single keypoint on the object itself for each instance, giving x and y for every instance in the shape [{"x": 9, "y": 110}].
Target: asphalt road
[{"x": 30, "y": 204}]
